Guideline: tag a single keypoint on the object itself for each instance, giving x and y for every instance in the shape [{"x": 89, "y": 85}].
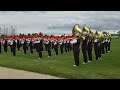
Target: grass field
[{"x": 108, "y": 67}]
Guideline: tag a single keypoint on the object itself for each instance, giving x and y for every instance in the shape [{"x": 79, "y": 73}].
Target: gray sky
[{"x": 59, "y": 22}]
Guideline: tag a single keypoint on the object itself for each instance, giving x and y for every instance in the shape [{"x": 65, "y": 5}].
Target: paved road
[{"x": 8, "y": 73}]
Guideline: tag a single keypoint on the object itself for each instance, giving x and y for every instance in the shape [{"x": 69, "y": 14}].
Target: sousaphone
[
  {"x": 85, "y": 30},
  {"x": 91, "y": 33},
  {"x": 76, "y": 31},
  {"x": 97, "y": 34}
]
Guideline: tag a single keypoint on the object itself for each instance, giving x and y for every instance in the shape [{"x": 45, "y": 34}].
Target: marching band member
[
  {"x": 106, "y": 44},
  {"x": 102, "y": 46},
  {"x": 31, "y": 46},
  {"x": 14, "y": 48},
  {"x": 11, "y": 43},
  {"x": 18, "y": 44},
  {"x": 96, "y": 40},
  {"x": 35, "y": 44},
  {"x": 22, "y": 42},
  {"x": 48, "y": 42},
  {"x": 61, "y": 45},
  {"x": 27, "y": 45},
  {"x": 76, "y": 49},
  {"x": 52, "y": 44},
  {"x": 45, "y": 44},
  {"x": 89, "y": 48},
  {"x": 56, "y": 47},
  {"x": 86, "y": 44},
  {"x": 84, "y": 48},
  {"x": 65, "y": 43},
  {"x": 24, "y": 46},
  {"x": 5, "y": 44},
  {"x": 39, "y": 43},
  {"x": 99, "y": 48}
]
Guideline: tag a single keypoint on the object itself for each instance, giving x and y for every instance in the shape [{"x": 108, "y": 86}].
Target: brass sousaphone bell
[
  {"x": 76, "y": 30},
  {"x": 85, "y": 30},
  {"x": 97, "y": 34},
  {"x": 101, "y": 35},
  {"x": 91, "y": 32}
]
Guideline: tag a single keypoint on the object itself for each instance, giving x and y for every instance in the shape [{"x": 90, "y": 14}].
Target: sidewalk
[{"x": 8, "y": 73}]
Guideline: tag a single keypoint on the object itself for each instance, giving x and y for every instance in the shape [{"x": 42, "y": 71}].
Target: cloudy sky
[{"x": 59, "y": 22}]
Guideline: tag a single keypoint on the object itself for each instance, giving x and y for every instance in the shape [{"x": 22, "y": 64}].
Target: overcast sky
[{"x": 59, "y": 22}]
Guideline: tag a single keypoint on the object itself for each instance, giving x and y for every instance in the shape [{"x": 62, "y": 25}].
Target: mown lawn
[{"x": 108, "y": 67}]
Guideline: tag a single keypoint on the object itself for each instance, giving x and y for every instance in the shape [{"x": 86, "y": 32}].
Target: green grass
[{"x": 108, "y": 67}]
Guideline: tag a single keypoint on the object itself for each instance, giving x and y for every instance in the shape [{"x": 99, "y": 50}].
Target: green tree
[
  {"x": 20, "y": 34},
  {"x": 118, "y": 33},
  {"x": 29, "y": 34},
  {"x": 33, "y": 34},
  {"x": 45, "y": 35},
  {"x": 36, "y": 34}
]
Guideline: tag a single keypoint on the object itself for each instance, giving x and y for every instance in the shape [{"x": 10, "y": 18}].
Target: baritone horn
[{"x": 76, "y": 30}]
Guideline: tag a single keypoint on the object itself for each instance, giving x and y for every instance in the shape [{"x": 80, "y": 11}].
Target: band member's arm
[
  {"x": 95, "y": 40},
  {"x": 47, "y": 42},
  {"x": 3, "y": 42},
  {"x": 108, "y": 40},
  {"x": 60, "y": 43},
  {"x": 11, "y": 43},
  {"x": 16, "y": 41},
  {"x": 38, "y": 42},
  {"x": 55, "y": 43},
  {"x": 74, "y": 41},
  {"x": 22, "y": 42}
]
